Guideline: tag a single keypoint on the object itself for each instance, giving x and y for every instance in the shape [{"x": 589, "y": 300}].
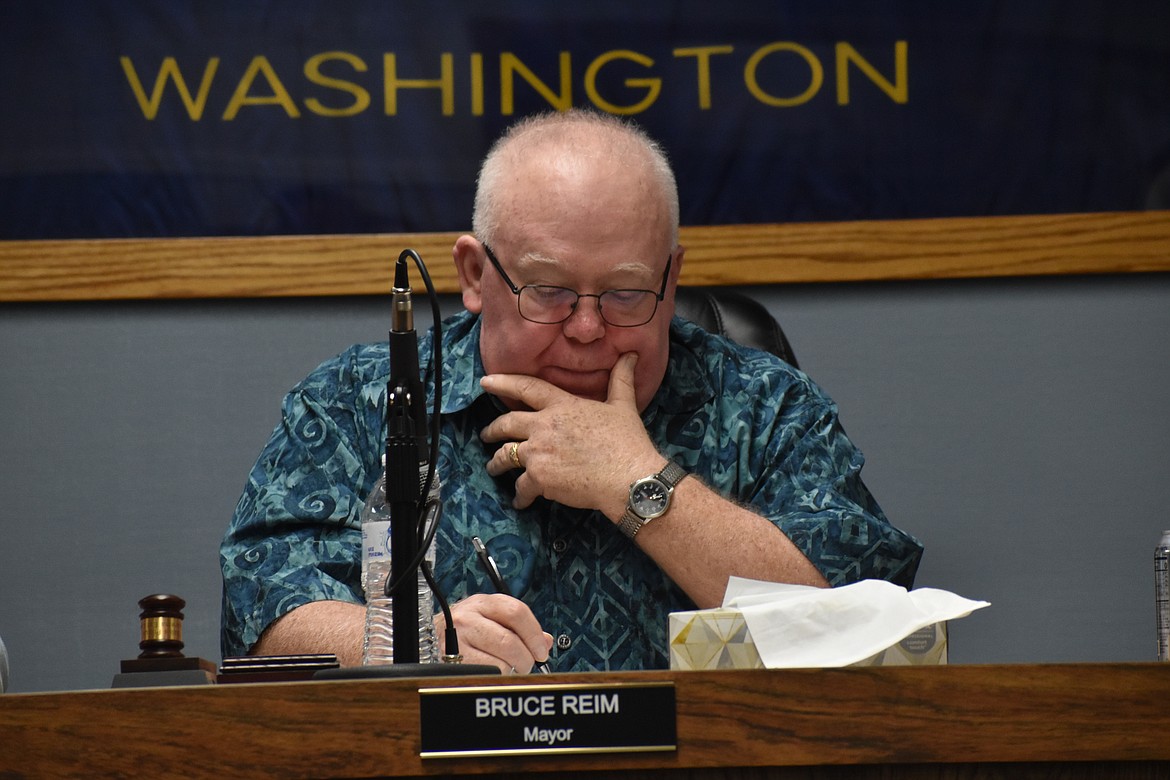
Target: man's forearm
[
  {"x": 705, "y": 538},
  {"x": 318, "y": 627}
]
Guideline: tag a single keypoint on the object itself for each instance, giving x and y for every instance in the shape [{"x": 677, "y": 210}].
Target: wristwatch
[{"x": 650, "y": 498}]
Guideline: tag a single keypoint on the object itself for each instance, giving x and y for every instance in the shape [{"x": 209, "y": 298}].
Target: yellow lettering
[
  {"x": 817, "y": 74},
  {"x": 476, "y": 84},
  {"x": 702, "y": 57},
  {"x": 653, "y": 86},
  {"x": 279, "y": 96},
  {"x": 170, "y": 69},
  {"x": 899, "y": 91},
  {"x": 334, "y": 88},
  {"x": 361, "y": 97},
  {"x": 445, "y": 83},
  {"x": 509, "y": 64}
]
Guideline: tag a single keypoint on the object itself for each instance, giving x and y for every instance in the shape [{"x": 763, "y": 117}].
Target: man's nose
[{"x": 586, "y": 322}]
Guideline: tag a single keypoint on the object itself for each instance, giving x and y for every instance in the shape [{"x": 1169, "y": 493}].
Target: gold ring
[{"x": 514, "y": 454}]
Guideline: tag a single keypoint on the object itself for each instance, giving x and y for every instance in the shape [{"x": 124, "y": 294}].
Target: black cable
[
  {"x": 424, "y": 532},
  {"x": 450, "y": 637}
]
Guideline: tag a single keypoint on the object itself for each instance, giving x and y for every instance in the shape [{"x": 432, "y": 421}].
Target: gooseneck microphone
[
  {"x": 406, "y": 455},
  {"x": 414, "y": 517}
]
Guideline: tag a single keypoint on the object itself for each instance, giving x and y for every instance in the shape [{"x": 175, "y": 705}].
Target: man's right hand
[
  {"x": 493, "y": 629},
  {"x": 498, "y": 630}
]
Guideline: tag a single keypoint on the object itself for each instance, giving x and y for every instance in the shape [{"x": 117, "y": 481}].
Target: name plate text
[{"x": 509, "y": 720}]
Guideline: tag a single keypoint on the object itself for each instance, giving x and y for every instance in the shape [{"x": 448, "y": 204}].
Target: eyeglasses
[{"x": 548, "y": 305}]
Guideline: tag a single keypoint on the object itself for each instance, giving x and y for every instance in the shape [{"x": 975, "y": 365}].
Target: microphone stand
[
  {"x": 407, "y": 457},
  {"x": 406, "y": 453}
]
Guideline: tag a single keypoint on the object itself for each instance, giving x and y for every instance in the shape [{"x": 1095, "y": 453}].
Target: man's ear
[
  {"x": 676, "y": 267},
  {"x": 672, "y": 279},
  {"x": 470, "y": 262}
]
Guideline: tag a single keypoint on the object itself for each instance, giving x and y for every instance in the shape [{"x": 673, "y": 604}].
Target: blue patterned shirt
[{"x": 745, "y": 423}]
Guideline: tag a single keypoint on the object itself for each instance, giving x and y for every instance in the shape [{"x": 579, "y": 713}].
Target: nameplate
[{"x": 512, "y": 720}]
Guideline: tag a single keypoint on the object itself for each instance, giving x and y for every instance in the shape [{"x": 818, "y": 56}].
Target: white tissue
[{"x": 797, "y": 626}]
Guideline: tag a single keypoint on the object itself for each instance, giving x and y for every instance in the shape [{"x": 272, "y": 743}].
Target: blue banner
[{"x": 305, "y": 116}]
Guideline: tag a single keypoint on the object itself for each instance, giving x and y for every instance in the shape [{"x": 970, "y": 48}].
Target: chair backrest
[{"x": 739, "y": 317}]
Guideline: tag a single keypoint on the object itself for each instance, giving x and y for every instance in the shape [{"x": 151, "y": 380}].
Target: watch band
[
  {"x": 672, "y": 474},
  {"x": 631, "y": 522}
]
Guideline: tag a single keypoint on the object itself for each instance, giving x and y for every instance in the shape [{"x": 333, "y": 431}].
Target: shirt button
[
  {"x": 560, "y": 545},
  {"x": 564, "y": 642}
]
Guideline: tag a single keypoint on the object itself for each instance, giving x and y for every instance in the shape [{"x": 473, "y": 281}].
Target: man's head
[{"x": 582, "y": 201}]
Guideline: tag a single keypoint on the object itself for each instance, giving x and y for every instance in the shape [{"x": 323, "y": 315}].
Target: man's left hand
[{"x": 572, "y": 450}]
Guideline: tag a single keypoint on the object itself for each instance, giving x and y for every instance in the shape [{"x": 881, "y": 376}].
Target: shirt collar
[
  {"x": 462, "y": 366},
  {"x": 686, "y": 385}
]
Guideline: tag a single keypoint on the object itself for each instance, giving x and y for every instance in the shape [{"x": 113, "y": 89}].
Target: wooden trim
[
  {"x": 271, "y": 266},
  {"x": 888, "y": 722}
]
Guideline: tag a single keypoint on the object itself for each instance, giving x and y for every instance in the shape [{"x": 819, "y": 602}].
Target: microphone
[
  {"x": 413, "y": 516},
  {"x": 406, "y": 455}
]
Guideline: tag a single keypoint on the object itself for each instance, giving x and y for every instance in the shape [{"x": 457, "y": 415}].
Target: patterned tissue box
[{"x": 720, "y": 639}]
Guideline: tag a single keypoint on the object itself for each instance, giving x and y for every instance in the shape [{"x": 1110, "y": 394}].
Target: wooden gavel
[{"x": 162, "y": 626}]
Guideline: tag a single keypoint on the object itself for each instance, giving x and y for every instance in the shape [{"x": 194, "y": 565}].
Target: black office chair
[{"x": 739, "y": 317}]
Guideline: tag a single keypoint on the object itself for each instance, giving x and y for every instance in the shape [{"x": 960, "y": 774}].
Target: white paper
[{"x": 798, "y": 626}]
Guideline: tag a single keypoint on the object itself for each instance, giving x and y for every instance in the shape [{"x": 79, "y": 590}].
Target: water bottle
[
  {"x": 378, "y": 643},
  {"x": 3, "y": 667},
  {"x": 1162, "y": 595}
]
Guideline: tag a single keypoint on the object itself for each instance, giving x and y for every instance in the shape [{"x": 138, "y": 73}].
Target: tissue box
[{"x": 720, "y": 639}]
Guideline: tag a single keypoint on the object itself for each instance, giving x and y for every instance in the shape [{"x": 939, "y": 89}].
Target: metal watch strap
[
  {"x": 632, "y": 523},
  {"x": 672, "y": 474}
]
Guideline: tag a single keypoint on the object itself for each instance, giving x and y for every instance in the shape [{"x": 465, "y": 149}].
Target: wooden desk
[{"x": 1068, "y": 720}]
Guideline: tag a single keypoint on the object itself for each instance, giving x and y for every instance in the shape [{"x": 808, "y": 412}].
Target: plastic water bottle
[
  {"x": 378, "y": 644},
  {"x": 1162, "y": 595},
  {"x": 3, "y": 667}
]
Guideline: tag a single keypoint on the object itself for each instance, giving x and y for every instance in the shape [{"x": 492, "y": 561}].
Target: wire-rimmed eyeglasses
[{"x": 548, "y": 304}]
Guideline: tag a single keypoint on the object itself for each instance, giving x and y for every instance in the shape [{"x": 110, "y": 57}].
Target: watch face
[{"x": 649, "y": 498}]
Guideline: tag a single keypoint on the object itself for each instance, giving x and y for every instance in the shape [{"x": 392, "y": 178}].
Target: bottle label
[{"x": 375, "y": 542}]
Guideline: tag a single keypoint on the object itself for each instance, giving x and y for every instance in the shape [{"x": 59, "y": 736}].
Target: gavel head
[{"x": 162, "y": 626}]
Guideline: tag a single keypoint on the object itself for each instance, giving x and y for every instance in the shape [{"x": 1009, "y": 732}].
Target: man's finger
[
  {"x": 531, "y": 391},
  {"x": 621, "y": 380},
  {"x": 511, "y": 426}
]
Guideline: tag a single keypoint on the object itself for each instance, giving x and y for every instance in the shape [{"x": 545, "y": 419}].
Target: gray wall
[{"x": 1019, "y": 428}]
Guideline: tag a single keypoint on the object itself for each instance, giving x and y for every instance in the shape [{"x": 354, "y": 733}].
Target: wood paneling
[{"x": 113, "y": 269}]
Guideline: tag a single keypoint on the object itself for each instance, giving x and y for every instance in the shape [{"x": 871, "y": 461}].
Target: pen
[{"x": 493, "y": 573}]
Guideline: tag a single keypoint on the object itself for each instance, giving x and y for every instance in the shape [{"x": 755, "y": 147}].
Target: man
[{"x": 566, "y": 381}]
